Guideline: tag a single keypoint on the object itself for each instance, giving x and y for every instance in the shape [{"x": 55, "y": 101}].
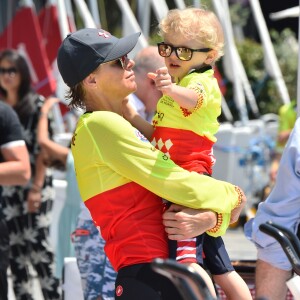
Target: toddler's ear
[{"x": 211, "y": 57}]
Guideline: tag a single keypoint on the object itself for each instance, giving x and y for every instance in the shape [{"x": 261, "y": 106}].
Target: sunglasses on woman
[
  {"x": 122, "y": 62},
  {"x": 183, "y": 53},
  {"x": 10, "y": 71}
]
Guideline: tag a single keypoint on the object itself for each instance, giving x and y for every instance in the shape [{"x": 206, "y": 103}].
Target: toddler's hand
[{"x": 162, "y": 79}]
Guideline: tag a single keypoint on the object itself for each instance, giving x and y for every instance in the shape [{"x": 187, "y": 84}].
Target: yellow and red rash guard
[
  {"x": 188, "y": 136},
  {"x": 119, "y": 174}
]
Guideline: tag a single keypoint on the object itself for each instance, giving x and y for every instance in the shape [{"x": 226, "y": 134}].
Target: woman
[
  {"x": 118, "y": 170},
  {"x": 27, "y": 209}
]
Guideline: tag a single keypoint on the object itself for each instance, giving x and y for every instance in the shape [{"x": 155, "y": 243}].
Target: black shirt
[{"x": 10, "y": 128}]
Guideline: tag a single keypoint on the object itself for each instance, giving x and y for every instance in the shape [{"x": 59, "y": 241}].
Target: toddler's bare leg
[
  {"x": 233, "y": 285},
  {"x": 205, "y": 277}
]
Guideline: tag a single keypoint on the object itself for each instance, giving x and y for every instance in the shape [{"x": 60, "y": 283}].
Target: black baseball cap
[{"x": 83, "y": 51}]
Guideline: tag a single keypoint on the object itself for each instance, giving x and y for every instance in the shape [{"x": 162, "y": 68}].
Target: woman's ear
[
  {"x": 90, "y": 80},
  {"x": 211, "y": 57}
]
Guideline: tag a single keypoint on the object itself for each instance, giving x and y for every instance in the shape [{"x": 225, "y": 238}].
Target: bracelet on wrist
[
  {"x": 32, "y": 190},
  {"x": 240, "y": 196},
  {"x": 36, "y": 188},
  {"x": 200, "y": 92},
  {"x": 218, "y": 225},
  {"x": 42, "y": 115}
]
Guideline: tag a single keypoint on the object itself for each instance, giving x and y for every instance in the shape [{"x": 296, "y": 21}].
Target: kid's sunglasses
[{"x": 183, "y": 53}]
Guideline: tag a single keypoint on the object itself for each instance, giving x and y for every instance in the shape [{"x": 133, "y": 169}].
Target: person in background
[
  {"x": 287, "y": 116},
  {"x": 77, "y": 234},
  {"x": 27, "y": 209},
  {"x": 145, "y": 98},
  {"x": 282, "y": 206},
  {"x": 186, "y": 122},
  {"x": 14, "y": 170},
  {"x": 121, "y": 176},
  {"x": 59, "y": 157}
]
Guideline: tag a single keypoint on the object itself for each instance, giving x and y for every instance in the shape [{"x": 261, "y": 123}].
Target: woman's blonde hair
[{"x": 195, "y": 24}]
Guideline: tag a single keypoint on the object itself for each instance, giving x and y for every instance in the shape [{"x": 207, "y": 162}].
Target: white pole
[
  {"x": 222, "y": 10},
  {"x": 160, "y": 8},
  {"x": 197, "y": 3},
  {"x": 70, "y": 15},
  {"x": 272, "y": 62},
  {"x": 180, "y": 4},
  {"x": 51, "y": 2},
  {"x": 286, "y": 13},
  {"x": 62, "y": 19},
  {"x": 226, "y": 111},
  {"x": 93, "y": 4},
  {"x": 28, "y": 3},
  {"x": 131, "y": 25},
  {"x": 246, "y": 85},
  {"x": 85, "y": 14},
  {"x": 144, "y": 13}
]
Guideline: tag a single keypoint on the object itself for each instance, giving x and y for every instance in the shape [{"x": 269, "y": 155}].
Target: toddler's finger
[
  {"x": 151, "y": 75},
  {"x": 163, "y": 71}
]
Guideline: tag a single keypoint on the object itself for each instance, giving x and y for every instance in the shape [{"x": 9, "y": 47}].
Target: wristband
[
  {"x": 200, "y": 92},
  {"x": 35, "y": 191},
  {"x": 218, "y": 225},
  {"x": 42, "y": 114}
]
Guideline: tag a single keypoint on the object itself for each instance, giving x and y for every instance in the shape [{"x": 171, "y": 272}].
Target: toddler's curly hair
[{"x": 195, "y": 24}]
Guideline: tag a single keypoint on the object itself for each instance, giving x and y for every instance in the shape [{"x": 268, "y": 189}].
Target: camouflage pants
[{"x": 97, "y": 275}]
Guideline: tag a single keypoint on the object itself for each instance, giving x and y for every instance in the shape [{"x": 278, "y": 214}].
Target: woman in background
[{"x": 27, "y": 209}]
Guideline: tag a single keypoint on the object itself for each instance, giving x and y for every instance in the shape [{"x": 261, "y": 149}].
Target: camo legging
[{"x": 97, "y": 275}]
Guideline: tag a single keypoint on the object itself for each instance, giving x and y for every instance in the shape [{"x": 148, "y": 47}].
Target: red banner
[
  {"x": 49, "y": 25},
  {"x": 24, "y": 34}
]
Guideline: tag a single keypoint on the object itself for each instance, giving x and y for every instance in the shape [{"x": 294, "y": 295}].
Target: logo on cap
[{"x": 103, "y": 34}]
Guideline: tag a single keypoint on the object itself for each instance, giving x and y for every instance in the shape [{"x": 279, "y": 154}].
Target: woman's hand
[
  {"x": 34, "y": 199},
  {"x": 49, "y": 102},
  {"x": 183, "y": 222}
]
